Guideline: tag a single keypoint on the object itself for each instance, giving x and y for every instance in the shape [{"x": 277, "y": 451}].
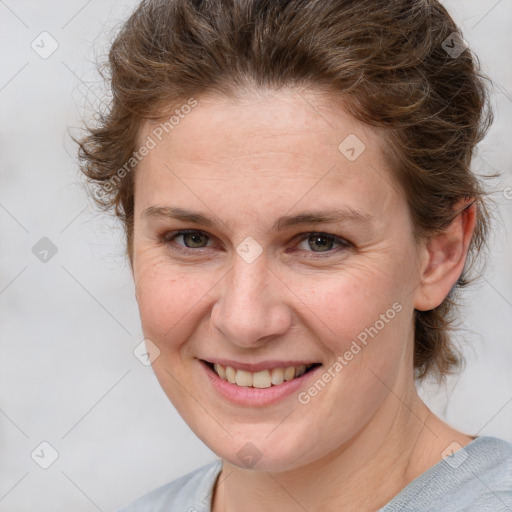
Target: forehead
[
  {"x": 259, "y": 126},
  {"x": 266, "y": 146}
]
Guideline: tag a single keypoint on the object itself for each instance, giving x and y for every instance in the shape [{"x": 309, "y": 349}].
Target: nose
[{"x": 251, "y": 309}]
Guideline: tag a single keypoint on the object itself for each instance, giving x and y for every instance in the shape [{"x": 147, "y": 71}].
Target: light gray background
[{"x": 68, "y": 327}]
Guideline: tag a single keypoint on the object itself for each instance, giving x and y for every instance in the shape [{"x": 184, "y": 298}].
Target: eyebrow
[{"x": 344, "y": 214}]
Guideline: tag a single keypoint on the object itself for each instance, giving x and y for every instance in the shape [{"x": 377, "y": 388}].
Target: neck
[{"x": 400, "y": 442}]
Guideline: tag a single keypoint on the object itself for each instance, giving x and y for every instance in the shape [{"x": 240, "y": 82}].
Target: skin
[{"x": 367, "y": 434}]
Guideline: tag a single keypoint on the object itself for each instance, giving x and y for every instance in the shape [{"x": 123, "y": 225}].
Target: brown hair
[{"x": 400, "y": 65}]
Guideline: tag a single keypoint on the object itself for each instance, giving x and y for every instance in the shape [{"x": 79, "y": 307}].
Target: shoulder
[
  {"x": 491, "y": 475},
  {"x": 476, "y": 478},
  {"x": 189, "y": 493}
]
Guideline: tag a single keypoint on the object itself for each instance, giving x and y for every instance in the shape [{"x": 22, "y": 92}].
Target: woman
[{"x": 294, "y": 182}]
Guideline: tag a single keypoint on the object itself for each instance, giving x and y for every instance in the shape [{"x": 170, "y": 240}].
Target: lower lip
[{"x": 241, "y": 395}]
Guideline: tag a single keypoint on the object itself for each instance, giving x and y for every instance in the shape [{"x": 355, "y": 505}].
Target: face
[{"x": 268, "y": 242}]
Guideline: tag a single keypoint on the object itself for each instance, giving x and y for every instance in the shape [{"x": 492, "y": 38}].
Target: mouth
[{"x": 262, "y": 379}]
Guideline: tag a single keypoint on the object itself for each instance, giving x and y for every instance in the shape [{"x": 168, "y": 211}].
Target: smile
[{"x": 260, "y": 379}]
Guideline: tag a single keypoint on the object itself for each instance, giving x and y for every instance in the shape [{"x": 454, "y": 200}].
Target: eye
[
  {"x": 317, "y": 243},
  {"x": 323, "y": 243},
  {"x": 192, "y": 239}
]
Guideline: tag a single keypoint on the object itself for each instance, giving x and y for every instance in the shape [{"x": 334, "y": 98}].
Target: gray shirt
[{"x": 476, "y": 478}]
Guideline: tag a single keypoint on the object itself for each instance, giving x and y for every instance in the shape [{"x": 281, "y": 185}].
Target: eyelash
[{"x": 168, "y": 238}]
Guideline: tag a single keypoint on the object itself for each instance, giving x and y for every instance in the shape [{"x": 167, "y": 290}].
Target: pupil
[
  {"x": 321, "y": 246},
  {"x": 196, "y": 239}
]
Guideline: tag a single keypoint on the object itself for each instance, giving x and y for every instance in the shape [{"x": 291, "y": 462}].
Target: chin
[{"x": 259, "y": 451}]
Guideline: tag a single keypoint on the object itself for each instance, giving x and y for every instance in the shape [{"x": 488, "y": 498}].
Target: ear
[{"x": 444, "y": 256}]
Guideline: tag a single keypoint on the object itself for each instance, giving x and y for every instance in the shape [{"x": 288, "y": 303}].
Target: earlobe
[{"x": 445, "y": 256}]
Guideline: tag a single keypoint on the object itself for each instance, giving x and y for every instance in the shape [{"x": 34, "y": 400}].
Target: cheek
[
  {"x": 339, "y": 306},
  {"x": 169, "y": 300}
]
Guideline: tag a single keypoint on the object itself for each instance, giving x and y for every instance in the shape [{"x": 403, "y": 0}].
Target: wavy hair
[{"x": 399, "y": 65}]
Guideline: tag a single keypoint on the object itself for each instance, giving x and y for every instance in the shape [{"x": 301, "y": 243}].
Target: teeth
[
  {"x": 221, "y": 372},
  {"x": 289, "y": 373},
  {"x": 262, "y": 379},
  {"x": 300, "y": 370},
  {"x": 243, "y": 378},
  {"x": 230, "y": 374},
  {"x": 277, "y": 376}
]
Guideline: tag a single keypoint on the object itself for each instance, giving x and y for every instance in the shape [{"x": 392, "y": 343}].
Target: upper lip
[{"x": 262, "y": 365}]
